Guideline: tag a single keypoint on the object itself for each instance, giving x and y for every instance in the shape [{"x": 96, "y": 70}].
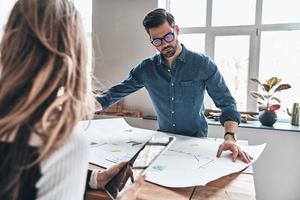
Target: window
[
  {"x": 85, "y": 8},
  {"x": 249, "y": 39},
  {"x": 280, "y": 52},
  {"x": 233, "y": 12},
  {"x": 275, "y": 12},
  {"x": 194, "y": 42},
  {"x": 5, "y": 8},
  {"x": 194, "y": 17},
  {"x": 232, "y": 57}
]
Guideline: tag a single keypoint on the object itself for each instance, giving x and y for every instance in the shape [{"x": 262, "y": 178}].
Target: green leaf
[
  {"x": 256, "y": 95},
  {"x": 266, "y": 87},
  {"x": 258, "y": 82},
  {"x": 272, "y": 82},
  {"x": 268, "y": 96},
  {"x": 278, "y": 81},
  {"x": 276, "y": 99},
  {"x": 255, "y": 80},
  {"x": 282, "y": 87}
]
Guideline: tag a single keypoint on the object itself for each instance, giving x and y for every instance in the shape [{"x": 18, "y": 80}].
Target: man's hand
[
  {"x": 131, "y": 192},
  {"x": 97, "y": 91},
  {"x": 98, "y": 106},
  {"x": 229, "y": 144}
]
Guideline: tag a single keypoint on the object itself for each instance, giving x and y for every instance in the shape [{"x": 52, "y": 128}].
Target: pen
[{"x": 139, "y": 167}]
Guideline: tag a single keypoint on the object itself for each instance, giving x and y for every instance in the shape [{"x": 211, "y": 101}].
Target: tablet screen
[{"x": 117, "y": 183}]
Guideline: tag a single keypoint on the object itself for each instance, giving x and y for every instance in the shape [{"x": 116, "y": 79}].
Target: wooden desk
[{"x": 232, "y": 187}]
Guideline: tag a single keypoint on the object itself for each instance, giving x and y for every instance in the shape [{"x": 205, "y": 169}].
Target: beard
[{"x": 169, "y": 50}]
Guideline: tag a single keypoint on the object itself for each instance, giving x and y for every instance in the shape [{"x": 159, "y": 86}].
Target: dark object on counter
[
  {"x": 295, "y": 114},
  {"x": 267, "y": 118},
  {"x": 151, "y": 117}
]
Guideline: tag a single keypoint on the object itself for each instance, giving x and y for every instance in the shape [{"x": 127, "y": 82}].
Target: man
[{"x": 176, "y": 80}]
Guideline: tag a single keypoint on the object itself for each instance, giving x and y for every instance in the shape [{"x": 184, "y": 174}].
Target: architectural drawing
[
  {"x": 187, "y": 161},
  {"x": 112, "y": 140},
  {"x": 192, "y": 161}
]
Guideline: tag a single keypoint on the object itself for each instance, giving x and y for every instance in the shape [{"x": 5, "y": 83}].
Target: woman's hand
[
  {"x": 98, "y": 106},
  {"x": 131, "y": 192},
  {"x": 103, "y": 177}
]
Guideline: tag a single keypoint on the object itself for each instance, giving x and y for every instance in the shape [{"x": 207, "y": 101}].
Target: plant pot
[{"x": 267, "y": 118}]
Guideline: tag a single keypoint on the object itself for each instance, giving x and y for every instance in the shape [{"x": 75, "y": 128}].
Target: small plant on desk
[{"x": 267, "y": 102}]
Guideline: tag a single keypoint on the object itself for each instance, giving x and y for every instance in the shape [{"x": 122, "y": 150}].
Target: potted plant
[{"x": 268, "y": 103}]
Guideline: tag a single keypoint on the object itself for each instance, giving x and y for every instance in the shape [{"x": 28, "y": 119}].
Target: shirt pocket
[
  {"x": 187, "y": 91},
  {"x": 187, "y": 83}
]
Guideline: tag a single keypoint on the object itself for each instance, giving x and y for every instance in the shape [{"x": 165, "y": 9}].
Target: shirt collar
[{"x": 182, "y": 56}]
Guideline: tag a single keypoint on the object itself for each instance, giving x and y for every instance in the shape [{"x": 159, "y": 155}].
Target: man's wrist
[{"x": 230, "y": 136}]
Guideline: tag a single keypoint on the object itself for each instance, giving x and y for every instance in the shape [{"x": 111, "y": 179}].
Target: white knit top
[{"x": 64, "y": 172}]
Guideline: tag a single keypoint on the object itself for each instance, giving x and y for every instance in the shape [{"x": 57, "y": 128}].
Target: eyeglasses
[{"x": 169, "y": 37}]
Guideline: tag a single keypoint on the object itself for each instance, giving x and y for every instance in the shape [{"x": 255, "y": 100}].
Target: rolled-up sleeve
[
  {"x": 220, "y": 94},
  {"x": 131, "y": 84}
]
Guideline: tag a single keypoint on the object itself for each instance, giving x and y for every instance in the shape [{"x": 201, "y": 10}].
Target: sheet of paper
[
  {"x": 192, "y": 161},
  {"x": 112, "y": 140},
  {"x": 187, "y": 162}
]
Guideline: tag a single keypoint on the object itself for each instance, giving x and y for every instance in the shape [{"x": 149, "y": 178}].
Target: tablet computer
[{"x": 117, "y": 183}]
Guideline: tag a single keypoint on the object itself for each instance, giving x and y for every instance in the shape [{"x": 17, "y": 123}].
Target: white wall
[
  {"x": 276, "y": 172},
  {"x": 120, "y": 42}
]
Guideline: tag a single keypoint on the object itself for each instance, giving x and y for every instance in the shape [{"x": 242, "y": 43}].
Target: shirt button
[
  {"x": 172, "y": 84},
  {"x": 173, "y": 125},
  {"x": 173, "y": 112},
  {"x": 169, "y": 70},
  {"x": 172, "y": 98}
]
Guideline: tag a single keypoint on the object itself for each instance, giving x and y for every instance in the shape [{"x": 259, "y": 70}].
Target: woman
[{"x": 43, "y": 94}]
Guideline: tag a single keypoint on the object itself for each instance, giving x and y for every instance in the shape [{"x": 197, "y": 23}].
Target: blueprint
[
  {"x": 112, "y": 140},
  {"x": 192, "y": 161},
  {"x": 188, "y": 161}
]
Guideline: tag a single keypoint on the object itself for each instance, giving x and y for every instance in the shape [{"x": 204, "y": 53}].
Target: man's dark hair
[{"x": 156, "y": 18}]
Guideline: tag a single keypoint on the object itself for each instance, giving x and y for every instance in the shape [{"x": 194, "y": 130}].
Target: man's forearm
[{"x": 230, "y": 126}]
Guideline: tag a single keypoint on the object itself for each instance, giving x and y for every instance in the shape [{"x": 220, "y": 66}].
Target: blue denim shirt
[{"x": 178, "y": 93}]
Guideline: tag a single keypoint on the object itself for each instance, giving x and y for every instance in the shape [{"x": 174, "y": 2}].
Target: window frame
[{"x": 253, "y": 31}]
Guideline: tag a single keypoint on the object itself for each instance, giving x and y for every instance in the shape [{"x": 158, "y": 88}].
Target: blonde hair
[{"x": 42, "y": 53}]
